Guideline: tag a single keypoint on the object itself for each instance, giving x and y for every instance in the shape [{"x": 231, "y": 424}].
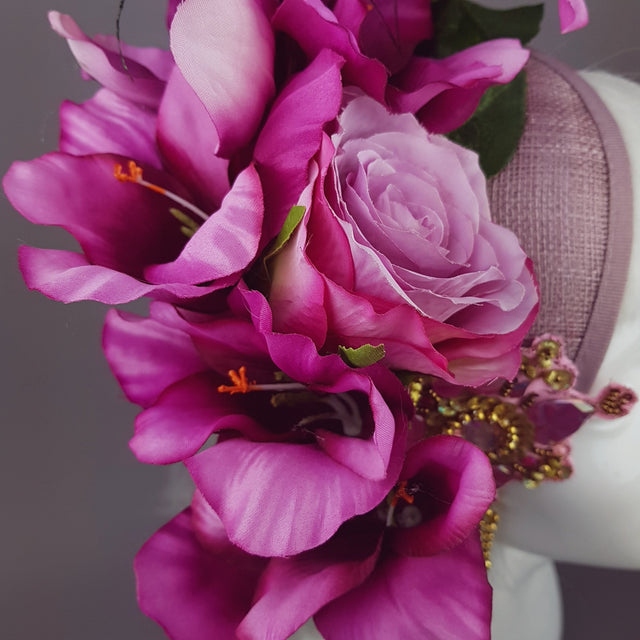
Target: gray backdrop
[{"x": 76, "y": 506}]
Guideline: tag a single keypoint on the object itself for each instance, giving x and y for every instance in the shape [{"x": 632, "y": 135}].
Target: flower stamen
[
  {"x": 401, "y": 494},
  {"x": 241, "y": 384},
  {"x": 134, "y": 175}
]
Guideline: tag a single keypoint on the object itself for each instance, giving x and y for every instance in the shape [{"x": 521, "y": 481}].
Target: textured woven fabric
[{"x": 556, "y": 196}]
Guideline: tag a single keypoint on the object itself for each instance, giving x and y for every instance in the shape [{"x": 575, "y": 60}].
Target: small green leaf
[
  {"x": 293, "y": 219},
  {"x": 496, "y": 127},
  {"x": 259, "y": 277},
  {"x": 363, "y": 356}
]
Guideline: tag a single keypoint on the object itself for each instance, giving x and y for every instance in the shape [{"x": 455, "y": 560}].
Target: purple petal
[
  {"x": 355, "y": 322},
  {"x": 445, "y": 93},
  {"x": 297, "y": 291},
  {"x": 350, "y": 14},
  {"x": 128, "y": 226},
  {"x": 456, "y": 488},
  {"x": 68, "y": 277},
  {"x": 296, "y": 355},
  {"x": 392, "y": 29},
  {"x": 293, "y": 134},
  {"x": 192, "y": 590},
  {"x": 443, "y": 596},
  {"x": 188, "y": 139},
  {"x": 136, "y": 82},
  {"x": 556, "y": 419},
  {"x": 184, "y": 417},
  {"x": 225, "y": 52},
  {"x": 281, "y": 499},
  {"x": 291, "y": 590},
  {"x": 315, "y": 28},
  {"x": 226, "y": 243},
  {"x": 172, "y": 6},
  {"x": 108, "y": 123},
  {"x": 573, "y": 15},
  {"x": 223, "y": 342},
  {"x": 146, "y": 357}
]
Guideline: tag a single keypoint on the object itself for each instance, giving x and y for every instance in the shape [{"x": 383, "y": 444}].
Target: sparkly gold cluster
[
  {"x": 543, "y": 364},
  {"x": 507, "y": 435},
  {"x": 510, "y": 431},
  {"x": 488, "y": 528},
  {"x": 616, "y": 401}
]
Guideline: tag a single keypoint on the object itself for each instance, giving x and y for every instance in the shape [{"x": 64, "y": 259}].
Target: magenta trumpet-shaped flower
[
  {"x": 410, "y": 569},
  {"x": 138, "y": 183},
  {"x": 377, "y": 41},
  {"x": 305, "y": 441}
]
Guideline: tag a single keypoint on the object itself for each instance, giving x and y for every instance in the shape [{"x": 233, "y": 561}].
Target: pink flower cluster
[{"x": 277, "y": 184}]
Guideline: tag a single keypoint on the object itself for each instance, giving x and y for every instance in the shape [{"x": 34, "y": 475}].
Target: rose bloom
[{"x": 397, "y": 247}]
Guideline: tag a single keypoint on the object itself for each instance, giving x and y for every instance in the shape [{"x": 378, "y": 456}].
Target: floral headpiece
[{"x": 338, "y": 345}]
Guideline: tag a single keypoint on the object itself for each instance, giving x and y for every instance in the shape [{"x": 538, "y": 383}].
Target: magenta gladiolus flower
[
  {"x": 305, "y": 441},
  {"x": 138, "y": 184},
  {"x": 377, "y": 41},
  {"x": 397, "y": 233},
  {"x": 412, "y": 568}
]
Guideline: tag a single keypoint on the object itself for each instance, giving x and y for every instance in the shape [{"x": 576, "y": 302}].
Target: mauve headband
[{"x": 567, "y": 194}]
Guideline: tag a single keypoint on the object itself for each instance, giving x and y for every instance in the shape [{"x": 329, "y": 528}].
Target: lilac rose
[{"x": 397, "y": 247}]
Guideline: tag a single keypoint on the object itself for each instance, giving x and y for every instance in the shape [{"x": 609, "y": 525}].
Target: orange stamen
[
  {"x": 135, "y": 176},
  {"x": 401, "y": 494},
  {"x": 240, "y": 382}
]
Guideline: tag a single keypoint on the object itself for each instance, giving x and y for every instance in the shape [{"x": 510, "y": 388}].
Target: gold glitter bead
[
  {"x": 547, "y": 351},
  {"x": 558, "y": 379}
]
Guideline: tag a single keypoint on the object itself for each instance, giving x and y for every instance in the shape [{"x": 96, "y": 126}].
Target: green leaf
[
  {"x": 522, "y": 22},
  {"x": 460, "y": 24},
  {"x": 363, "y": 356},
  {"x": 258, "y": 277},
  {"x": 496, "y": 127},
  {"x": 294, "y": 217}
]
